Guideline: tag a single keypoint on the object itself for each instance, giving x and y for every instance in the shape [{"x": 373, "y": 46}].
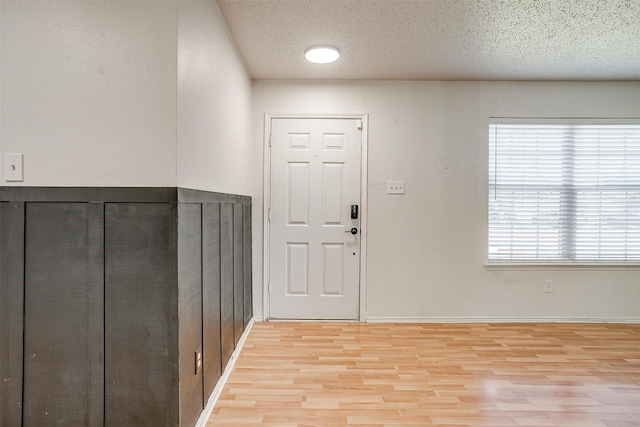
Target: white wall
[
  {"x": 133, "y": 93},
  {"x": 427, "y": 249},
  {"x": 89, "y": 92},
  {"x": 214, "y": 104}
]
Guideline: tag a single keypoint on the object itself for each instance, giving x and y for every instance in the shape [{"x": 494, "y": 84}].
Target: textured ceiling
[{"x": 440, "y": 39}]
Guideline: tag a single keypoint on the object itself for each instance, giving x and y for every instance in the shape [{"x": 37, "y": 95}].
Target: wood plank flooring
[{"x": 358, "y": 374}]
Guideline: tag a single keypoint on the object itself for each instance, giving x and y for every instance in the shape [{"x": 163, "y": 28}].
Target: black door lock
[{"x": 354, "y": 211}]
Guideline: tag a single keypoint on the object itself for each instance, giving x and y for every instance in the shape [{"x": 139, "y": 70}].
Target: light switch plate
[
  {"x": 395, "y": 187},
  {"x": 13, "y": 167}
]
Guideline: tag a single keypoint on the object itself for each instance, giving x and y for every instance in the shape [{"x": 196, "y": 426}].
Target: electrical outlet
[
  {"x": 395, "y": 187},
  {"x": 548, "y": 285},
  {"x": 13, "y": 167},
  {"x": 198, "y": 360}
]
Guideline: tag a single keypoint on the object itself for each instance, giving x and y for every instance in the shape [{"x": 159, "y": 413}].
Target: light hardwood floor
[{"x": 358, "y": 374}]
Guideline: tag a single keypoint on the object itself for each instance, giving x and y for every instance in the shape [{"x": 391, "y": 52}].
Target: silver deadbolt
[{"x": 352, "y": 231}]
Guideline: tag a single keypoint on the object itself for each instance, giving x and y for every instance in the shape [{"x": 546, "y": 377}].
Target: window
[{"x": 565, "y": 191}]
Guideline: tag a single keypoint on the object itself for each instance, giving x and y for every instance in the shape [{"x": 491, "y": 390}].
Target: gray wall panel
[
  {"x": 248, "y": 298},
  {"x": 96, "y": 312},
  {"x": 61, "y": 248},
  {"x": 190, "y": 310},
  {"x": 226, "y": 285},
  {"x": 238, "y": 271},
  {"x": 188, "y": 195},
  {"x": 105, "y": 271},
  {"x": 86, "y": 194},
  {"x": 141, "y": 373},
  {"x": 211, "y": 296},
  {"x": 11, "y": 311}
]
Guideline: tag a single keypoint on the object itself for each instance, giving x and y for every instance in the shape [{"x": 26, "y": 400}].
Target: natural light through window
[{"x": 564, "y": 191}]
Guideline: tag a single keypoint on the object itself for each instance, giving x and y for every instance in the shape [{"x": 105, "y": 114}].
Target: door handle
[{"x": 352, "y": 231}]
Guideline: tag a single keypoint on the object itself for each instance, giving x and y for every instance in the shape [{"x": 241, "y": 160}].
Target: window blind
[{"x": 564, "y": 192}]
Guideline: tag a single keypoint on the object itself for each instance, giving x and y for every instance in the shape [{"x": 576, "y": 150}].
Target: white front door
[{"x": 314, "y": 259}]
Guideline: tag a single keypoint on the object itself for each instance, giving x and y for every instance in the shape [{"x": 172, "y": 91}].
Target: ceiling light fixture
[{"x": 322, "y": 54}]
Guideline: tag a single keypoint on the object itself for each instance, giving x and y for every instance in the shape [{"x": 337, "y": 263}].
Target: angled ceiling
[{"x": 440, "y": 39}]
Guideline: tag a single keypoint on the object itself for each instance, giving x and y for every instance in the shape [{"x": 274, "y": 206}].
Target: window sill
[{"x": 560, "y": 266}]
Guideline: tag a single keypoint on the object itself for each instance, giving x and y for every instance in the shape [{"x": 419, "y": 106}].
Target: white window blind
[{"x": 564, "y": 191}]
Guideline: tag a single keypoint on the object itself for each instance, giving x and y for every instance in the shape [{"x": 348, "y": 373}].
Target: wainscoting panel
[
  {"x": 246, "y": 233},
  {"x": 62, "y": 248},
  {"x": 226, "y": 295},
  {"x": 211, "y": 296},
  {"x": 141, "y": 314},
  {"x": 110, "y": 291},
  {"x": 11, "y": 311},
  {"x": 238, "y": 272},
  {"x": 190, "y": 310}
]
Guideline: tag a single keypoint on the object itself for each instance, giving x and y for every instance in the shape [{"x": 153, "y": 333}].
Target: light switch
[
  {"x": 395, "y": 187},
  {"x": 13, "y": 167}
]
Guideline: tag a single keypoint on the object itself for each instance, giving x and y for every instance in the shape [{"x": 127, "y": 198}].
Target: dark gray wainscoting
[
  {"x": 226, "y": 286},
  {"x": 11, "y": 311},
  {"x": 63, "y": 311},
  {"x": 140, "y": 320},
  {"x": 190, "y": 310},
  {"x": 211, "y": 303},
  {"x": 106, "y": 294}
]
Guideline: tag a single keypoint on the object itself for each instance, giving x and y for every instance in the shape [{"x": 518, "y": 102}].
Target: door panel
[
  {"x": 333, "y": 269},
  {"x": 297, "y": 269},
  {"x": 332, "y": 183},
  {"x": 298, "y": 200},
  {"x": 315, "y": 178}
]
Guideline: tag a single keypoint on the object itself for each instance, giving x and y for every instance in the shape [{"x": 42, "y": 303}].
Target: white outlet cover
[
  {"x": 13, "y": 168},
  {"x": 395, "y": 187}
]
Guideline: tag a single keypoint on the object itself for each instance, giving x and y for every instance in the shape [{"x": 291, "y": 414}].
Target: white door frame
[{"x": 266, "y": 193}]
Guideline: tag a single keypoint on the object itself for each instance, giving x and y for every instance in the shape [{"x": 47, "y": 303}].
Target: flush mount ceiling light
[{"x": 322, "y": 54}]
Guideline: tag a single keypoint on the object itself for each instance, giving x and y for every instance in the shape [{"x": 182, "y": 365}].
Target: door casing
[{"x": 266, "y": 192}]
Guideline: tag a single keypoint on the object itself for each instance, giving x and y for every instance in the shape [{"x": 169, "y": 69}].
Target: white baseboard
[
  {"x": 630, "y": 320},
  {"x": 215, "y": 394}
]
